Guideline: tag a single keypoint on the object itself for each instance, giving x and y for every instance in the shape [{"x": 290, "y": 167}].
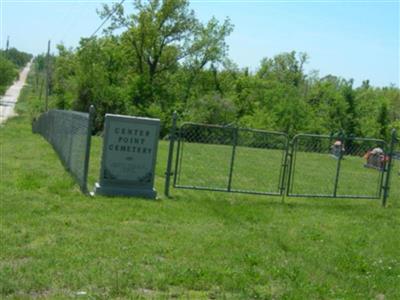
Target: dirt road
[{"x": 8, "y": 101}]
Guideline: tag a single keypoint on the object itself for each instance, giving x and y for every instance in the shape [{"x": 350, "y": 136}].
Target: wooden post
[
  {"x": 8, "y": 43},
  {"x": 47, "y": 77}
]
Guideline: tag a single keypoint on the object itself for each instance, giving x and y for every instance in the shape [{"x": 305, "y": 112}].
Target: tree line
[
  {"x": 162, "y": 58},
  {"x": 11, "y": 62}
]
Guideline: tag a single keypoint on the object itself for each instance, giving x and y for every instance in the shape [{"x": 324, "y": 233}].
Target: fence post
[
  {"x": 291, "y": 155},
  {"x": 285, "y": 177},
  {"x": 47, "y": 78},
  {"x": 168, "y": 172},
  {"x": 386, "y": 187},
  {"x": 69, "y": 137},
  {"x": 341, "y": 139},
  {"x": 87, "y": 153},
  {"x": 234, "y": 143}
]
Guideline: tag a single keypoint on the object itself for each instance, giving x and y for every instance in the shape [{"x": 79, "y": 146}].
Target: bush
[
  {"x": 8, "y": 73},
  {"x": 18, "y": 58},
  {"x": 212, "y": 109}
]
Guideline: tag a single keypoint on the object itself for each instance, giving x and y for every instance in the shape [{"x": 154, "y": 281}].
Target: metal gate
[
  {"x": 242, "y": 160},
  {"x": 230, "y": 159},
  {"x": 336, "y": 167}
]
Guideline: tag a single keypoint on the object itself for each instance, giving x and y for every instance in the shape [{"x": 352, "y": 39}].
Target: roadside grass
[{"x": 59, "y": 244}]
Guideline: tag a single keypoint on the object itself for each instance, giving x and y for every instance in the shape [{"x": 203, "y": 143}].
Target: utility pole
[
  {"x": 47, "y": 77},
  {"x": 8, "y": 43}
]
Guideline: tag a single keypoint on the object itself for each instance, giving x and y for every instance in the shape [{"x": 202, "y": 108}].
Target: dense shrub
[
  {"x": 8, "y": 73},
  {"x": 10, "y": 62},
  {"x": 18, "y": 58}
]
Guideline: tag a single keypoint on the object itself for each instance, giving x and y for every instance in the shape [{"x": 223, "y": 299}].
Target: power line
[
  {"x": 107, "y": 18},
  {"x": 67, "y": 19},
  {"x": 93, "y": 34}
]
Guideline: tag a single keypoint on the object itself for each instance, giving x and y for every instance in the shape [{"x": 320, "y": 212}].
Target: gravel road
[{"x": 8, "y": 101}]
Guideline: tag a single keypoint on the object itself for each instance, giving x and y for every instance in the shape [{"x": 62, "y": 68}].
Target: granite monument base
[{"x": 123, "y": 191}]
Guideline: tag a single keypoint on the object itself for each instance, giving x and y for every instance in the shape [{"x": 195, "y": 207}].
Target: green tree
[
  {"x": 351, "y": 123},
  {"x": 383, "y": 121},
  {"x": 283, "y": 79},
  {"x": 19, "y": 58},
  {"x": 328, "y": 108},
  {"x": 162, "y": 35},
  {"x": 64, "y": 77},
  {"x": 212, "y": 109},
  {"x": 101, "y": 78},
  {"x": 8, "y": 73}
]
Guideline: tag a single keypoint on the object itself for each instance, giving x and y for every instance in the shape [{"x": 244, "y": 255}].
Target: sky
[{"x": 352, "y": 39}]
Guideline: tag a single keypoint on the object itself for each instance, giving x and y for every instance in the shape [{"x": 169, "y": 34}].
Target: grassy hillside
[{"x": 57, "y": 243}]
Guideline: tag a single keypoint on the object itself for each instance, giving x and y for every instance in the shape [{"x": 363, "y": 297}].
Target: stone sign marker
[{"x": 129, "y": 156}]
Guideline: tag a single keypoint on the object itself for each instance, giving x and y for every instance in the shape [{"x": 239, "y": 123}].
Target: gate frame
[
  {"x": 286, "y": 168},
  {"x": 175, "y": 136},
  {"x": 341, "y": 137},
  {"x": 389, "y": 166}
]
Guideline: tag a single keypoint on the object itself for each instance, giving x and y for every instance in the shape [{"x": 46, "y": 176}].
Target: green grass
[
  {"x": 254, "y": 169},
  {"x": 56, "y": 242},
  {"x": 260, "y": 170}
]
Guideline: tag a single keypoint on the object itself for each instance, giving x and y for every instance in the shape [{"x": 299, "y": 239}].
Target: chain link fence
[
  {"x": 329, "y": 166},
  {"x": 230, "y": 159},
  {"x": 69, "y": 132},
  {"x": 395, "y": 180},
  {"x": 392, "y": 179}
]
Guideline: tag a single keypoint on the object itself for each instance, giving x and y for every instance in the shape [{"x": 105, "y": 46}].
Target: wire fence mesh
[
  {"x": 230, "y": 159},
  {"x": 259, "y": 161},
  {"x": 327, "y": 166},
  {"x": 209, "y": 148},
  {"x": 312, "y": 155},
  {"x": 395, "y": 176},
  {"x": 69, "y": 133}
]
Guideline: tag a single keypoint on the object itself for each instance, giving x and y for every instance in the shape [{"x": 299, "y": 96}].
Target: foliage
[
  {"x": 18, "y": 58},
  {"x": 64, "y": 82},
  {"x": 11, "y": 61},
  {"x": 60, "y": 244},
  {"x": 8, "y": 73},
  {"x": 212, "y": 109},
  {"x": 162, "y": 58}
]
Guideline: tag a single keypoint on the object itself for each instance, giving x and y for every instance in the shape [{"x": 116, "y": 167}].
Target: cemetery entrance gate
[{"x": 242, "y": 160}]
